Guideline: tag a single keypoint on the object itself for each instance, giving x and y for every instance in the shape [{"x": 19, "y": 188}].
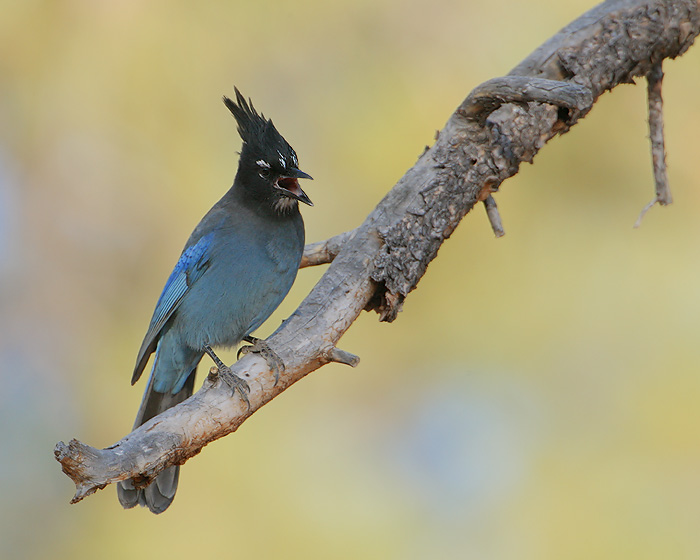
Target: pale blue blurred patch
[
  {"x": 34, "y": 398},
  {"x": 459, "y": 454},
  {"x": 465, "y": 445},
  {"x": 466, "y": 448},
  {"x": 8, "y": 215}
]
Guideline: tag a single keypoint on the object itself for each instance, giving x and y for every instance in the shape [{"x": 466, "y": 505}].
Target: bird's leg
[
  {"x": 261, "y": 347},
  {"x": 231, "y": 379}
]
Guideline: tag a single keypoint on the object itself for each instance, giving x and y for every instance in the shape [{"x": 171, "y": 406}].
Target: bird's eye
[{"x": 264, "y": 168}]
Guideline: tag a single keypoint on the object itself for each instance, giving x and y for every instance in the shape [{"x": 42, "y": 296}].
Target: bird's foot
[
  {"x": 230, "y": 378},
  {"x": 259, "y": 346}
]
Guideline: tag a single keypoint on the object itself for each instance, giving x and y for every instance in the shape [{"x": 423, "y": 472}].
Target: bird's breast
[{"x": 249, "y": 275}]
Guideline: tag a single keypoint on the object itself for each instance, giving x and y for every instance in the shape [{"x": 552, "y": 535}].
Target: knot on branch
[{"x": 387, "y": 304}]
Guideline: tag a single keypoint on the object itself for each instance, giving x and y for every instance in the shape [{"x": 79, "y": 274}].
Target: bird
[{"x": 237, "y": 266}]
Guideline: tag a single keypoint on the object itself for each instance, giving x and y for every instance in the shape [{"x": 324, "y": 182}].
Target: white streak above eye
[
  {"x": 263, "y": 163},
  {"x": 283, "y": 161}
]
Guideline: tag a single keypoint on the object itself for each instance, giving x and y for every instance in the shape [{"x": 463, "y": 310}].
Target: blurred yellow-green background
[{"x": 536, "y": 399}]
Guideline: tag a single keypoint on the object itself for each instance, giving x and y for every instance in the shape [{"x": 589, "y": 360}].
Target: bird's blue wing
[{"x": 189, "y": 268}]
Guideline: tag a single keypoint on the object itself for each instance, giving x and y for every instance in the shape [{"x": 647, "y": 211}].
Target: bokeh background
[{"x": 536, "y": 399}]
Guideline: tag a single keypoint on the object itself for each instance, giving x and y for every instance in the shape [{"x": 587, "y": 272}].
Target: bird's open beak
[{"x": 290, "y": 184}]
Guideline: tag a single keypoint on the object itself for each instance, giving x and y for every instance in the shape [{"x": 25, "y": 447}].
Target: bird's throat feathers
[{"x": 284, "y": 205}]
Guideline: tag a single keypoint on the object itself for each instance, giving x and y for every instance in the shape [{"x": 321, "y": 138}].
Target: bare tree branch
[{"x": 482, "y": 144}]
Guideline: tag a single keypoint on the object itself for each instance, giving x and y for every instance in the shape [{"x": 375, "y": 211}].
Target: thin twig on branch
[
  {"x": 323, "y": 252},
  {"x": 656, "y": 136},
  {"x": 389, "y": 253},
  {"x": 494, "y": 216}
]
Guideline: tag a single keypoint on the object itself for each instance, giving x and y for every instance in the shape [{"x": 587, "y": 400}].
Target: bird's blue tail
[{"x": 159, "y": 494}]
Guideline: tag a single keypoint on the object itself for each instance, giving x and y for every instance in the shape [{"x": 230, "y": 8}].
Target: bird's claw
[
  {"x": 259, "y": 346},
  {"x": 230, "y": 378},
  {"x": 235, "y": 383}
]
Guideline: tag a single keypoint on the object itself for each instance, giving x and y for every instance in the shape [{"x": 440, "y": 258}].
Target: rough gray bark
[
  {"x": 612, "y": 44},
  {"x": 501, "y": 124}
]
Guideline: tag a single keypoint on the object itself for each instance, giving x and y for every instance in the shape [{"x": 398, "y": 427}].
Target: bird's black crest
[
  {"x": 252, "y": 126},
  {"x": 262, "y": 143}
]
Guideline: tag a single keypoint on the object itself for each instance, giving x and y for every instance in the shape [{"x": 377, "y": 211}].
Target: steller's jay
[{"x": 236, "y": 268}]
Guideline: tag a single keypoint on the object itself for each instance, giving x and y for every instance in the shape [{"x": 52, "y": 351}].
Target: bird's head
[{"x": 268, "y": 164}]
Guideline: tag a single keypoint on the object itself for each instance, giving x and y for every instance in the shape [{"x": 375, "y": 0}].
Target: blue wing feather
[{"x": 189, "y": 268}]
